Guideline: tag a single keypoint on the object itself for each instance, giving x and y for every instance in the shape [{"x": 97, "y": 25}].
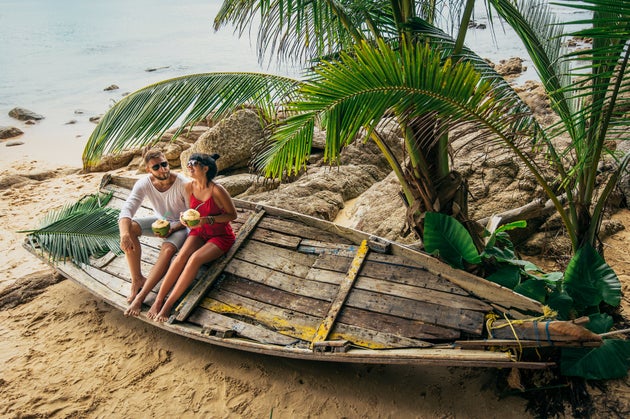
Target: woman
[{"x": 207, "y": 241}]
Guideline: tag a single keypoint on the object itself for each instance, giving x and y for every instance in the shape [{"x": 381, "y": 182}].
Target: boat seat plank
[
  {"x": 324, "y": 328},
  {"x": 199, "y": 289}
]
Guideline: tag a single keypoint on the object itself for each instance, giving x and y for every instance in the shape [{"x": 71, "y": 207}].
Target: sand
[{"x": 65, "y": 353}]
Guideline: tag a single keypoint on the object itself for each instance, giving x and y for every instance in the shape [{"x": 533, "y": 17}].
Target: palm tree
[{"x": 370, "y": 58}]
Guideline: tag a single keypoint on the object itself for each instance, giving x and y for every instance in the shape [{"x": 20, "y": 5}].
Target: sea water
[{"x": 57, "y": 57}]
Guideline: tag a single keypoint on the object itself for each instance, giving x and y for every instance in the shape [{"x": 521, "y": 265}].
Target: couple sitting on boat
[{"x": 170, "y": 195}]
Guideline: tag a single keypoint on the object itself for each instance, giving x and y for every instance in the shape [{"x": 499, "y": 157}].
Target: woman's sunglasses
[
  {"x": 156, "y": 167},
  {"x": 192, "y": 163}
]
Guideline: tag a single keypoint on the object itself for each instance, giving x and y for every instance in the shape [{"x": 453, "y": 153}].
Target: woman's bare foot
[
  {"x": 136, "y": 286},
  {"x": 164, "y": 314},
  {"x": 135, "y": 307},
  {"x": 155, "y": 309}
]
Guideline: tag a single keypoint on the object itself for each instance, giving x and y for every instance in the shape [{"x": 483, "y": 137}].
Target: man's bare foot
[
  {"x": 135, "y": 307},
  {"x": 155, "y": 309},
  {"x": 136, "y": 286}
]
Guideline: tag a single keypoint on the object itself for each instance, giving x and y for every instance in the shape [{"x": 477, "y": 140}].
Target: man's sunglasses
[{"x": 156, "y": 167}]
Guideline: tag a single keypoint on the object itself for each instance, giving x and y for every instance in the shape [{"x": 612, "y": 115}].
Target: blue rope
[{"x": 547, "y": 330}]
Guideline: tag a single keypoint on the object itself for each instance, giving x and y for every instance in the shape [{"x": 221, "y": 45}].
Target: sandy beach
[{"x": 65, "y": 353}]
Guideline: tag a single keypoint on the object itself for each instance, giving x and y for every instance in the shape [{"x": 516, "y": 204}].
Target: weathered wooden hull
[{"x": 299, "y": 287}]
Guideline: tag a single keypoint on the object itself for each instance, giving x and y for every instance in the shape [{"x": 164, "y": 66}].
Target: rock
[
  {"x": 111, "y": 87},
  {"x": 321, "y": 192},
  {"x": 111, "y": 162},
  {"x": 381, "y": 211},
  {"x": 510, "y": 67},
  {"x": 96, "y": 119},
  {"x": 9, "y": 132},
  {"x": 237, "y": 184},
  {"x": 14, "y": 143},
  {"x": 233, "y": 138},
  {"x": 24, "y": 114}
]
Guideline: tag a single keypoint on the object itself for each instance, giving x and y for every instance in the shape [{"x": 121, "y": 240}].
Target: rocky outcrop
[{"x": 233, "y": 138}]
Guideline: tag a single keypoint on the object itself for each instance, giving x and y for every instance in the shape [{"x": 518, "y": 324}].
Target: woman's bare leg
[
  {"x": 207, "y": 253},
  {"x": 191, "y": 244}
]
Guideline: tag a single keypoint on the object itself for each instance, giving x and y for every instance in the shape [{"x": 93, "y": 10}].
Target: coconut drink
[
  {"x": 161, "y": 227},
  {"x": 191, "y": 217}
]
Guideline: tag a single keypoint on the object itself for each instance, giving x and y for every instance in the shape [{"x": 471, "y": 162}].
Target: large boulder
[
  {"x": 233, "y": 138},
  {"x": 321, "y": 192}
]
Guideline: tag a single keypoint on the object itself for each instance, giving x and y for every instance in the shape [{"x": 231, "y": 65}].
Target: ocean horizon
[{"x": 57, "y": 59}]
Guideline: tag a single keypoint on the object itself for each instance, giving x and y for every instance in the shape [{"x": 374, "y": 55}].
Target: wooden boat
[{"x": 300, "y": 287}]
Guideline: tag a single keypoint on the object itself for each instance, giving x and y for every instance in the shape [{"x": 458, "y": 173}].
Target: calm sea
[{"x": 58, "y": 56}]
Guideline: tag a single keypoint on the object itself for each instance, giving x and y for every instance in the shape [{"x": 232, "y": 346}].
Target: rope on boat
[{"x": 547, "y": 316}]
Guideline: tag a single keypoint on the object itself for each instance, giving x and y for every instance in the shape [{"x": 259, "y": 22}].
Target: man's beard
[{"x": 164, "y": 176}]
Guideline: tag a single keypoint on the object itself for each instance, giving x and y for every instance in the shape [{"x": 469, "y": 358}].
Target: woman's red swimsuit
[{"x": 220, "y": 234}]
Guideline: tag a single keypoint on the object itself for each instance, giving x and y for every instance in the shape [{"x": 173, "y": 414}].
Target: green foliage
[
  {"x": 590, "y": 281},
  {"x": 609, "y": 361},
  {"x": 587, "y": 283},
  {"x": 78, "y": 231},
  {"x": 447, "y": 239}
]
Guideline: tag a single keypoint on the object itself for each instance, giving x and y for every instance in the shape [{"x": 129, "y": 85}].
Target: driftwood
[{"x": 535, "y": 209}]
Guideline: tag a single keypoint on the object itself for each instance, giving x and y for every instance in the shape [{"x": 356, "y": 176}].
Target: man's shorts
[{"x": 177, "y": 238}]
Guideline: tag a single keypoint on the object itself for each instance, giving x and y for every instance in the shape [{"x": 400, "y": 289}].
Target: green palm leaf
[
  {"x": 356, "y": 91},
  {"x": 137, "y": 119},
  {"x": 78, "y": 231}
]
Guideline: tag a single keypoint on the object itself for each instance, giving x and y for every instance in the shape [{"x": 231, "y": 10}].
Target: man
[{"x": 167, "y": 195}]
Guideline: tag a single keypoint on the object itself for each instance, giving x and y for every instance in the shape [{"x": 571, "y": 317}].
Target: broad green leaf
[
  {"x": 609, "y": 361},
  {"x": 507, "y": 276},
  {"x": 562, "y": 303},
  {"x": 445, "y": 237},
  {"x": 599, "y": 323},
  {"x": 589, "y": 280},
  {"x": 534, "y": 289}
]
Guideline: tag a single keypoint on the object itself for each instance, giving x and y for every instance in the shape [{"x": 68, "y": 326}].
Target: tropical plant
[
  {"x": 587, "y": 286},
  {"x": 78, "y": 230},
  {"x": 377, "y": 58}
]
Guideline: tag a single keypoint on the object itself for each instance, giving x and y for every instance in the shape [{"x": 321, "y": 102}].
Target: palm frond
[
  {"x": 138, "y": 118},
  {"x": 78, "y": 231},
  {"x": 299, "y": 29},
  {"x": 356, "y": 91}
]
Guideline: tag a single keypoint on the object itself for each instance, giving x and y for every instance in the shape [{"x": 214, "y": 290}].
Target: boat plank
[
  {"x": 324, "y": 328},
  {"x": 276, "y": 238},
  {"x": 279, "y": 259},
  {"x": 298, "y": 228},
  {"x": 206, "y": 318},
  {"x": 300, "y": 325},
  {"x": 351, "y": 315},
  {"x": 281, "y": 280},
  {"x": 402, "y": 274}
]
